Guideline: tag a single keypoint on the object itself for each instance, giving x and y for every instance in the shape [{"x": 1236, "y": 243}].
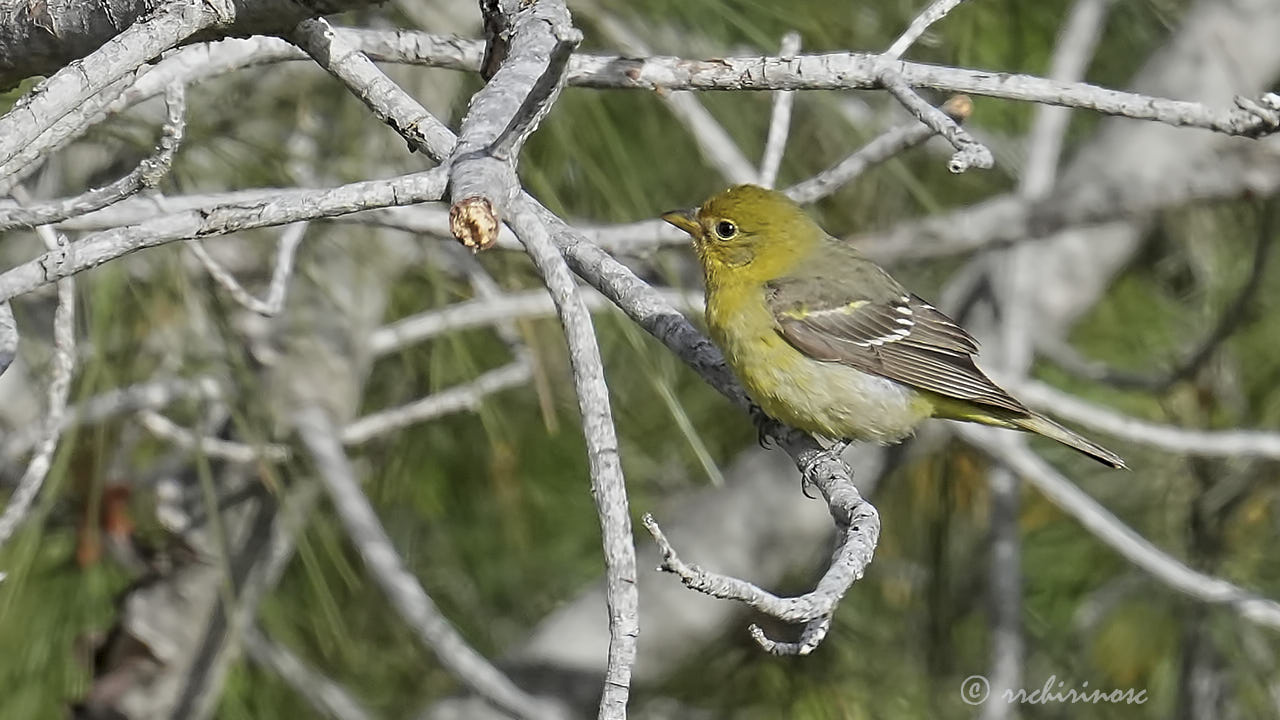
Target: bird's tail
[{"x": 1044, "y": 426}]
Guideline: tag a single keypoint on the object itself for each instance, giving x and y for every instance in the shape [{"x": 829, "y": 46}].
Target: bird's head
[{"x": 748, "y": 227}]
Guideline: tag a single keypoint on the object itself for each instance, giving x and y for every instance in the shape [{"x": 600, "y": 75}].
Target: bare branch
[
  {"x": 274, "y": 302},
  {"x": 63, "y": 365},
  {"x": 61, "y": 133},
  {"x": 467, "y": 396},
  {"x": 75, "y": 84},
  {"x": 830, "y": 71},
  {"x": 8, "y": 336},
  {"x": 1215, "y": 443},
  {"x": 150, "y": 395},
  {"x": 608, "y": 488},
  {"x": 483, "y": 312},
  {"x": 231, "y": 451},
  {"x": 779, "y": 120},
  {"x": 969, "y": 152},
  {"x": 858, "y": 529},
  {"x": 1071, "y": 57},
  {"x": 400, "y": 586},
  {"x": 714, "y": 142},
  {"x": 1120, "y": 537},
  {"x": 888, "y": 144},
  {"x": 502, "y": 115},
  {"x": 321, "y": 692},
  {"x": 388, "y": 102},
  {"x": 936, "y": 10},
  {"x": 148, "y": 174},
  {"x": 290, "y": 207}
]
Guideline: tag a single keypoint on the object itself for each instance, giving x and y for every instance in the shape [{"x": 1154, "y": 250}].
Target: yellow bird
[{"x": 826, "y": 341}]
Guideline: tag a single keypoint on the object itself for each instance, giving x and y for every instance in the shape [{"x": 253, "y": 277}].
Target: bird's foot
[
  {"x": 764, "y": 425},
  {"x": 833, "y": 452}
]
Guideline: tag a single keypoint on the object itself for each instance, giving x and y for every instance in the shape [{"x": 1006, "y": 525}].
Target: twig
[
  {"x": 9, "y": 337},
  {"x": 607, "y": 485},
  {"x": 969, "y": 152},
  {"x": 73, "y": 85},
  {"x": 455, "y": 399},
  {"x": 283, "y": 270},
  {"x": 1214, "y": 443},
  {"x": 1075, "y": 49},
  {"x": 717, "y": 147},
  {"x": 341, "y": 59},
  {"x": 936, "y": 10},
  {"x": 888, "y": 144},
  {"x": 483, "y": 312},
  {"x": 1010, "y": 219},
  {"x": 321, "y": 692},
  {"x": 63, "y": 365},
  {"x": 150, "y": 395},
  {"x": 1120, "y": 537},
  {"x": 148, "y": 174},
  {"x": 829, "y": 71},
  {"x": 388, "y": 569},
  {"x": 775, "y": 143},
  {"x": 858, "y": 530},
  {"x": 229, "y": 450},
  {"x": 289, "y": 207}
]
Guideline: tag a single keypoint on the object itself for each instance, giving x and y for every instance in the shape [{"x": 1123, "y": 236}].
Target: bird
[{"x": 826, "y": 341}]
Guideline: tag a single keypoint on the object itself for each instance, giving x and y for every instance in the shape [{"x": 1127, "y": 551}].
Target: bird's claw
[
  {"x": 763, "y": 425},
  {"x": 811, "y": 466}
]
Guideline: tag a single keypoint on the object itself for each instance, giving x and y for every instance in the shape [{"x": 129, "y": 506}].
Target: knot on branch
[
  {"x": 1265, "y": 109},
  {"x": 474, "y": 223}
]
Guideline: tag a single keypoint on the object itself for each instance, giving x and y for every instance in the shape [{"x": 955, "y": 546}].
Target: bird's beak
[{"x": 686, "y": 220}]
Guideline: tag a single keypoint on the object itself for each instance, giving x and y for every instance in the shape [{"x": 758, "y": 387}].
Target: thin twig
[
  {"x": 229, "y": 450},
  {"x": 290, "y": 207},
  {"x": 149, "y": 395},
  {"x": 1213, "y": 443},
  {"x": 936, "y": 10},
  {"x": 1120, "y": 537},
  {"x": 73, "y": 85},
  {"x": 402, "y": 589},
  {"x": 483, "y": 312},
  {"x": 147, "y": 174},
  {"x": 467, "y": 396},
  {"x": 775, "y": 143},
  {"x": 63, "y": 366},
  {"x": 286, "y": 249},
  {"x": 881, "y": 148},
  {"x": 969, "y": 152},
  {"x": 858, "y": 531},
  {"x": 717, "y": 147},
  {"x": 323, "y": 694}
]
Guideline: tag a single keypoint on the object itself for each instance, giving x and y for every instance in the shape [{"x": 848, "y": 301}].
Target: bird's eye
[{"x": 726, "y": 229}]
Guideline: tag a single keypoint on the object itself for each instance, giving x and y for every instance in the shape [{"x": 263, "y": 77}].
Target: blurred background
[{"x": 491, "y": 506}]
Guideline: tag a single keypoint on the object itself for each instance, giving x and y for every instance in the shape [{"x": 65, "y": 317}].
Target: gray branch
[
  {"x": 294, "y": 206},
  {"x": 402, "y": 589},
  {"x": 148, "y": 174}
]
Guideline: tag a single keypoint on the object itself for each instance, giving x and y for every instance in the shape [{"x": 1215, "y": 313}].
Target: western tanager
[{"x": 826, "y": 341}]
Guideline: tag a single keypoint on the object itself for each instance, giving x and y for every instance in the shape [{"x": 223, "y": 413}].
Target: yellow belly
[{"x": 824, "y": 398}]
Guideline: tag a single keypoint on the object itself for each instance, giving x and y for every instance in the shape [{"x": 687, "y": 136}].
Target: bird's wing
[{"x": 859, "y": 316}]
